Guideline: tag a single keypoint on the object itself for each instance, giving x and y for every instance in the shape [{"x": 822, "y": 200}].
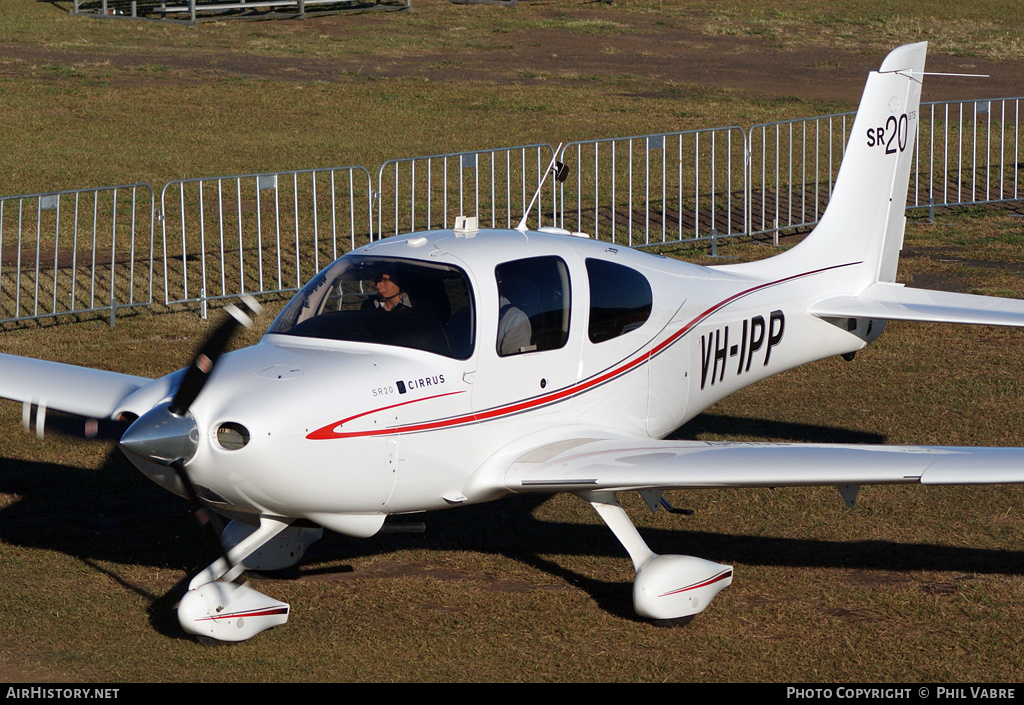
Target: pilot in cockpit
[{"x": 391, "y": 297}]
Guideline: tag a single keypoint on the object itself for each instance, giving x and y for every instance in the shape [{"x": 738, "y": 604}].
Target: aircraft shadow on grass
[{"x": 114, "y": 514}]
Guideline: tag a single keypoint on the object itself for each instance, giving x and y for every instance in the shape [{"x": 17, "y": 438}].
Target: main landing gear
[{"x": 668, "y": 589}]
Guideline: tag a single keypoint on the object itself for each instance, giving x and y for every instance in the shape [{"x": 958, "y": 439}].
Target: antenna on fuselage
[{"x": 557, "y": 169}]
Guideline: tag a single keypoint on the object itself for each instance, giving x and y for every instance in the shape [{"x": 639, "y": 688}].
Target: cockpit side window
[
  {"x": 389, "y": 301},
  {"x": 534, "y": 304},
  {"x": 620, "y": 300}
]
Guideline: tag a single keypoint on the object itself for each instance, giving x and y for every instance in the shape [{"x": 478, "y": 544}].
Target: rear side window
[
  {"x": 620, "y": 300},
  {"x": 534, "y": 305}
]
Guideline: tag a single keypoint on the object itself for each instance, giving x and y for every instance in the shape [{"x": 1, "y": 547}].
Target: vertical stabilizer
[{"x": 865, "y": 217}]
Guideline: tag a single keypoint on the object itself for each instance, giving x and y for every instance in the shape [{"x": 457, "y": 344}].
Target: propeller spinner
[{"x": 167, "y": 434}]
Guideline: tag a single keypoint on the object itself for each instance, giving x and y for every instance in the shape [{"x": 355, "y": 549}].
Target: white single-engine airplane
[{"x": 453, "y": 367}]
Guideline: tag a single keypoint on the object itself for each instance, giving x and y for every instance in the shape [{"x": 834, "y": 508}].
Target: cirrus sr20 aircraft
[{"x": 520, "y": 361}]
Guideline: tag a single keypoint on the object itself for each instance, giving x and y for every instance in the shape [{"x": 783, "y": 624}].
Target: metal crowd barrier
[
  {"x": 983, "y": 167},
  {"x": 76, "y": 251},
  {"x": 194, "y": 11},
  {"x": 793, "y": 165},
  {"x": 88, "y": 250},
  {"x": 496, "y": 185},
  {"x": 259, "y": 233},
  {"x": 656, "y": 189},
  {"x": 967, "y": 153}
]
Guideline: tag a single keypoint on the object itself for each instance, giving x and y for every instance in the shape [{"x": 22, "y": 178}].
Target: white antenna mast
[
  {"x": 911, "y": 74},
  {"x": 560, "y": 172}
]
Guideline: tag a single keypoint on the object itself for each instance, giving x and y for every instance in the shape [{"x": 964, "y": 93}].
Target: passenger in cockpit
[{"x": 514, "y": 329}]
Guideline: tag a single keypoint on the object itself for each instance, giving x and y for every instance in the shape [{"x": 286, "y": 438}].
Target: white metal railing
[
  {"x": 793, "y": 165},
  {"x": 76, "y": 251},
  {"x": 89, "y": 250},
  {"x": 967, "y": 153},
  {"x": 496, "y": 185},
  {"x": 656, "y": 189},
  {"x": 259, "y": 233},
  {"x": 192, "y": 11}
]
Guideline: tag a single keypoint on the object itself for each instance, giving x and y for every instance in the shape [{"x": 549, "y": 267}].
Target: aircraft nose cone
[{"x": 162, "y": 437}]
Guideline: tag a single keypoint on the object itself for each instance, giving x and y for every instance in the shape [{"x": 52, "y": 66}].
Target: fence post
[{"x": 113, "y": 259}]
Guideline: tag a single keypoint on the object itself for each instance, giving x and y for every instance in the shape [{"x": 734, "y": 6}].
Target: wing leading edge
[
  {"x": 620, "y": 465},
  {"x": 69, "y": 388}
]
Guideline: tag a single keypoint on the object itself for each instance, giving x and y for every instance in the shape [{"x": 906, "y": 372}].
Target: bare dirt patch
[{"x": 671, "y": 56}]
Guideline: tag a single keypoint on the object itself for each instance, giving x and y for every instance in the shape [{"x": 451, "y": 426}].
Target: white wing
[
  {"x": 601, "y": 464},
  {"x": 76, "y": 390}
]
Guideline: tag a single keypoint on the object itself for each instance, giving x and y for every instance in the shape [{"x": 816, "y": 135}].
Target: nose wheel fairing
[
  {"x": 217, "y": 608},
  {"x": 229, "y": 612}
]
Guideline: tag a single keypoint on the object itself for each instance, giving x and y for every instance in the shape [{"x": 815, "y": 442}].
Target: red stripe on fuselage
[{"x": 329, "y": 432}]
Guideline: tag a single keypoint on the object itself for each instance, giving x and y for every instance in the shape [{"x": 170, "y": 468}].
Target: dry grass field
[{"x": 913, "y": 585}]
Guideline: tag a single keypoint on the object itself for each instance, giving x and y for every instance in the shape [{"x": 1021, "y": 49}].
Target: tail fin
[{"x": 865, "y": 217}]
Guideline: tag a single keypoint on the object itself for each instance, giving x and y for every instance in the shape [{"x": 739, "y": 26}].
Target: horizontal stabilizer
[
  {"x": 895, "y": 302},
  {"x": 632, "y": 465},
  {"x": 69, "y": 388}
]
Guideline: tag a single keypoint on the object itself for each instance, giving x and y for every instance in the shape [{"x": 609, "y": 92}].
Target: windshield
[{"x": 387, "y": 301}]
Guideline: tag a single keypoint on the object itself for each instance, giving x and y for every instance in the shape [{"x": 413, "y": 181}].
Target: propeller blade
[
  {"x": 211, "y": 349},
  {"x": 205, "y": 517},
  {"x": 167, "y": 434},
  {"x": 88, "y": 428}
]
